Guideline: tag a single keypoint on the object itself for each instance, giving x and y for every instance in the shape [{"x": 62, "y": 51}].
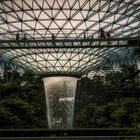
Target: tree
[
  {"x": 120, "y": 116},
  {"x": 8, "y": 120},
  {"x": 20, "y": 110}
]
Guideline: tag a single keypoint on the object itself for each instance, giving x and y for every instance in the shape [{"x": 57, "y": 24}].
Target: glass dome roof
[{"x": 67, "y": 19}]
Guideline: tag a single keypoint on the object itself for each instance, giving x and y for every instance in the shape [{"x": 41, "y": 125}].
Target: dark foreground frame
[{"x": 95, "y": 132}]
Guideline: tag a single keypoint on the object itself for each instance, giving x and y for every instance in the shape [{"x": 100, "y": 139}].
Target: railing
[
  {"x": 69, "y": 43},
  {"x": 106, "y": 132}
]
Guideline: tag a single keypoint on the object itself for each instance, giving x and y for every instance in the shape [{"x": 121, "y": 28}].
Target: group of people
[
  {"x": 101, "y": 31},
  {"x": 18, "y": 36},
  {"x": 102, "y": 34},
  {"x": 105, "y": 35}
]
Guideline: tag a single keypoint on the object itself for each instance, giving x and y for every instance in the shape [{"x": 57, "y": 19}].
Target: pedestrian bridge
[
  {"x": 70, "y": 43},
  {"x": 74, "y": 57}
]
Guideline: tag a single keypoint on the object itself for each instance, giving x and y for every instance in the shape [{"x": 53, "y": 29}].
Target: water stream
[{"x": 60, "y": 96}]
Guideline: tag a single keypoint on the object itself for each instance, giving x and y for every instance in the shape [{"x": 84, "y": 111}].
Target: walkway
[{"x": 70, "y": 43}]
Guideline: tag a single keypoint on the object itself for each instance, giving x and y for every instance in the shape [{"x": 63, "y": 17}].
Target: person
[
  {"x": 84, "y": 35},
  {"x": 17, "y": 36},
  {"x": 102, "y": 33},
  {"x": 24, "y": 37},
  {"x": 108, "y": 34},
  {"x": 53, "y": 36}
]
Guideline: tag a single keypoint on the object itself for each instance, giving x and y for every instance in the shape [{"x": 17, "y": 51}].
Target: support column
[{"x": 60, "y": 97}]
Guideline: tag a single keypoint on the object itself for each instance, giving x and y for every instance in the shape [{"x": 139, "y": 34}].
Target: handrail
[{"x": 69, "y": 43}]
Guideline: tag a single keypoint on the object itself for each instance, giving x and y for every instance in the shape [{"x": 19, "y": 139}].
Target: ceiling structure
[{"x": 67, "y": 20}]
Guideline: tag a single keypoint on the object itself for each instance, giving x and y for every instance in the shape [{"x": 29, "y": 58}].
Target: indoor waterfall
[{"x": 60, "y": 97}]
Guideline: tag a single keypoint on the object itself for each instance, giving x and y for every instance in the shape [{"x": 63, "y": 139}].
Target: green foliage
[
  {"x": 113, "y": 79},
  {"x": 22, "y": 106},
  {"x": 120, "y": 117},
  {"x": 21, "y": 110},
  {"x": 100, "y": 102},
  {"x": 136, "y": 138},
  {"x": 8, "y": 120},
  {"x": 104, "y": 102}
]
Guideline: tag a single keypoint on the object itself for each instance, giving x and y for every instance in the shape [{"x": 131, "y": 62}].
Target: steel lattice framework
[{"x": 62, "y": 20}]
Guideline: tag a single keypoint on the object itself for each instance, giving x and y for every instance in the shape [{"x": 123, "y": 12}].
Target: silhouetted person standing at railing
[
  {"x": 85, "y": 35},
  {"x": 53, "y": 36},
  {"x": 24, "y": 37},
  {"x": 108, "y": 34},
  {"x": 17, "y": 36},
  {"x": 102, "y": 33}
]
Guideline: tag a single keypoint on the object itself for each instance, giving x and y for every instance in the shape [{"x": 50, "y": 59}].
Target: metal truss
[
  {"x": 70, "y": 43},
  {"x": 66, "y": 61},
  {"x": 69, "y": 18},
  {"x": 62, "y": 35}
]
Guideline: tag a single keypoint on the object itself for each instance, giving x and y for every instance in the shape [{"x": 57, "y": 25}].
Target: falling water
[{"x": 60, "y": 96}]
